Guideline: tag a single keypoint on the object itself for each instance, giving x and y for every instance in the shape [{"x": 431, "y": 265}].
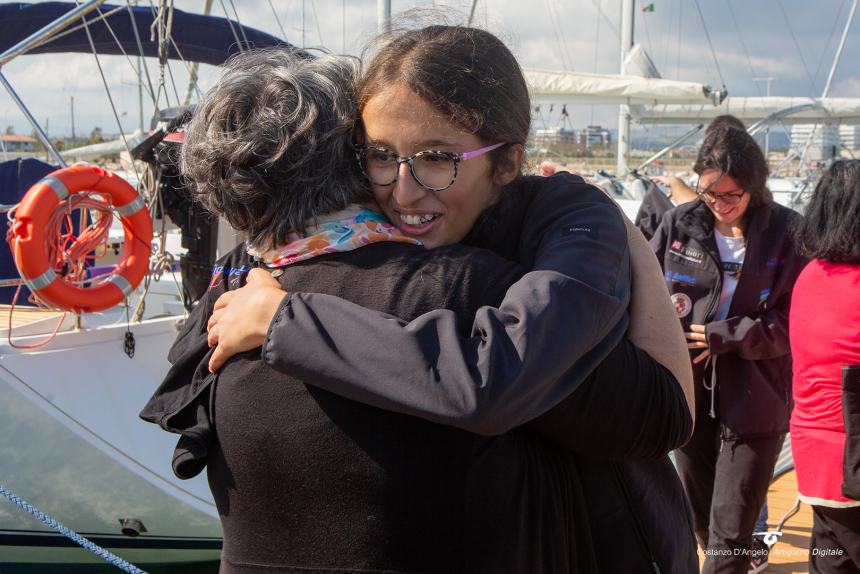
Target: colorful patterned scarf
[{"x": 345, "y": 230}]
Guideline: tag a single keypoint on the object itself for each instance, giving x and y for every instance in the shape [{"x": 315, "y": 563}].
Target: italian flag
[{"x": 648, "y": 7}]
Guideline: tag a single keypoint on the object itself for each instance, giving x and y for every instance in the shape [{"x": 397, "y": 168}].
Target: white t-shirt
[{"x": 732, "y": 251}]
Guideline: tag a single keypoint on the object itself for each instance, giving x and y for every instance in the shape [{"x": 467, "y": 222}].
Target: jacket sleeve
[
  {"x": 520, "y": 359},
  {"x": 630, "y": 407},
  {"x": 764, "y": 336}
]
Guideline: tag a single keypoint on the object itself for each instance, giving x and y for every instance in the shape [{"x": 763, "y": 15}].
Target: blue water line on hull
[{"x": 71, "y": 534}]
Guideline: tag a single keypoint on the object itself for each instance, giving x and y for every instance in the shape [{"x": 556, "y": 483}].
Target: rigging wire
[
  {"x": 232, "y": 28},
  {"x": 142, "y": 57},
  {"x": 122, "y": 50},
  {"x": 710, "y": 44},
  {"x": 239, "y": 25},
  {"x": 559, "y": 34},
  {"x": 74, "y": 29},
  {"x": 610, "y": 25},
  {"x": 110, "y": 97},
  {"x": 278, "y": 20},
  {"x": 749, "y": 61},
  {"x": 744, "y": 47},
  {"x": 829, "y": 39},
  {"x": 596, "y": 53},
  {"x": 796, "y": 45},
  {"x": 317, "y": 21},
  {"x": 680, "y": 28}
]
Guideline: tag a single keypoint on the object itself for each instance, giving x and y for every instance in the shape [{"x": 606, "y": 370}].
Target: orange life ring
[{"x": 28, "y": 238}]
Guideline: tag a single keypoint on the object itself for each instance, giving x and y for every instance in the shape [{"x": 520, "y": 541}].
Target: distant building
[
  {"x": 595, "y": 136},
  {"x": 16, "y": 143},
  {"x": 823, "y": 140},
  {"x": 555, "y": 136},
  {"x": 849, "y": 136}
]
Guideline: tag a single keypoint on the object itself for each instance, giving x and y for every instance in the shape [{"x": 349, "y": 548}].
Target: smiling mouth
[{"x": 418, "y": 220}]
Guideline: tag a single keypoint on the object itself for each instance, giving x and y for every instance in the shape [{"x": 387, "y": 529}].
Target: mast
[
  {"x": 627, "y": 7},
  {"x": 383, "y": 16},
  {"x": 839, "y": 49}
]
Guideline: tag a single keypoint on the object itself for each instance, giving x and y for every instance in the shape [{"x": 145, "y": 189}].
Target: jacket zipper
[{"x": 637, "y": 524}]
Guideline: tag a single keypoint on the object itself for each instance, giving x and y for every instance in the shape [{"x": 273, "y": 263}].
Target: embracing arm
[{"x": 553, "y": 327}]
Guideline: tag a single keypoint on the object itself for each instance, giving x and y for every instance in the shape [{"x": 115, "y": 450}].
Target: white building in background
[
  {"x": 555, "y": 136},
  {"x": 824, "y": 144},
  {"x": 595, "y": 136},
  {"x": 849, "y": 135}
]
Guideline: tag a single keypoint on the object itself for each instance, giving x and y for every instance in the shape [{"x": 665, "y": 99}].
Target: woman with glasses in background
[{"x": 730, "y": 263}]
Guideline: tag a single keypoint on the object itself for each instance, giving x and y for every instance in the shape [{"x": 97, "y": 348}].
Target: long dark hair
[
  {"x": 830, "y": 230},
  {"x": 735, "y": 153}
]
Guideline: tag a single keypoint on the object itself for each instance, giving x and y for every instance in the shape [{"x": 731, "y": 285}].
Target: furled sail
[
  {"x": 562, "y": 87},
  {"x": 752, "y": 109}
]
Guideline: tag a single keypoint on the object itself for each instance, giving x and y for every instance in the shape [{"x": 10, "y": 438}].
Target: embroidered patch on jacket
[
  {"x": 686, "y": 252},
  {"x": 683, "y": 304},
  {"x": 679, "y": 277},
  {"x": 762, "y": 297},
  {"x": 233, "y": 275}
]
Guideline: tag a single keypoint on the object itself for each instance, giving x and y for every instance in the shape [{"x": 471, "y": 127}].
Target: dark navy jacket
[{"x": 751, "y": 347}]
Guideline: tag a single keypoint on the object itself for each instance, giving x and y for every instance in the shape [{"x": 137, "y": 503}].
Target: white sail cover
[
  {"x": 752, "y": 109},
  {"x": 561, "y": 87}
]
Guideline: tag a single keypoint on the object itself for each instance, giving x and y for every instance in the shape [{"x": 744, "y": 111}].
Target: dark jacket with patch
[{"x": 751, "y": 360}]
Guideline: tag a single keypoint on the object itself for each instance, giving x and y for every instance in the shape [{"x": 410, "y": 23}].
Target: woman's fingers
[
  {"x": 213, "y": 320},
  {"x": 224, "y": 300},
  {"x": 697, "y": 345},
  {"x": 704, "y": 355}
]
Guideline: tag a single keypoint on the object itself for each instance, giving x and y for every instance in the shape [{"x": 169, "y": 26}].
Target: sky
[{"x": 791, "y": 41}]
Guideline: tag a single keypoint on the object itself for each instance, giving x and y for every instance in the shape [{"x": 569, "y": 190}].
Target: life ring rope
[{"x": 52, "y": 263}]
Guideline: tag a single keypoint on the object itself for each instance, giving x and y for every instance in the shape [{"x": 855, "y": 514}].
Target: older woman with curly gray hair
[
  {"x": 304, "y": 479},
  {"x": 270, "y": 149}
]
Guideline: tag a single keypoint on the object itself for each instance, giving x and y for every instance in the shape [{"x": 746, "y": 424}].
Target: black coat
[
  {"x": 556, "y": 325},
  {"x": 654, "y": 205},
  {"x": 750, "y": 347}
]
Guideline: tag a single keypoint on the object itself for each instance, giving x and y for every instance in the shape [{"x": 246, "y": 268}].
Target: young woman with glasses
[
  {"x": 730, "y": 263},
  {"x": 445, "y": 116}
]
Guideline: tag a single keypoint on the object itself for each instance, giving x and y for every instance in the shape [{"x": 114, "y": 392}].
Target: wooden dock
[{"x": 791, "y": 554}]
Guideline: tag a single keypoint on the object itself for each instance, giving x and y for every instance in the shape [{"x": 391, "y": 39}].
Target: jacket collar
[{"x": 698, "y": 221}]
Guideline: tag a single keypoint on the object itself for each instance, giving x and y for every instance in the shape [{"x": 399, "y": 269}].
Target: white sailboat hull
[{"x": 75, "y": 448}]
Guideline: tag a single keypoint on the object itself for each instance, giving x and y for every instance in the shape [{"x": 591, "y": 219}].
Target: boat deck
[
  {"x": 22, "y": 315},
  {"x": 791, "y": 554}
]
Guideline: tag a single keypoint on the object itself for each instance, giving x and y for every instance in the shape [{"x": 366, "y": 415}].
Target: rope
[
  {"x": 107, "y": 91},
  {"x": 71, "y": 534},
  {"x": 710, "y": 44}
]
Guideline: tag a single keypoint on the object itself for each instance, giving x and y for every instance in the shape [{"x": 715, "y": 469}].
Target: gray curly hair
[{"x": 270, "y": 148}]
